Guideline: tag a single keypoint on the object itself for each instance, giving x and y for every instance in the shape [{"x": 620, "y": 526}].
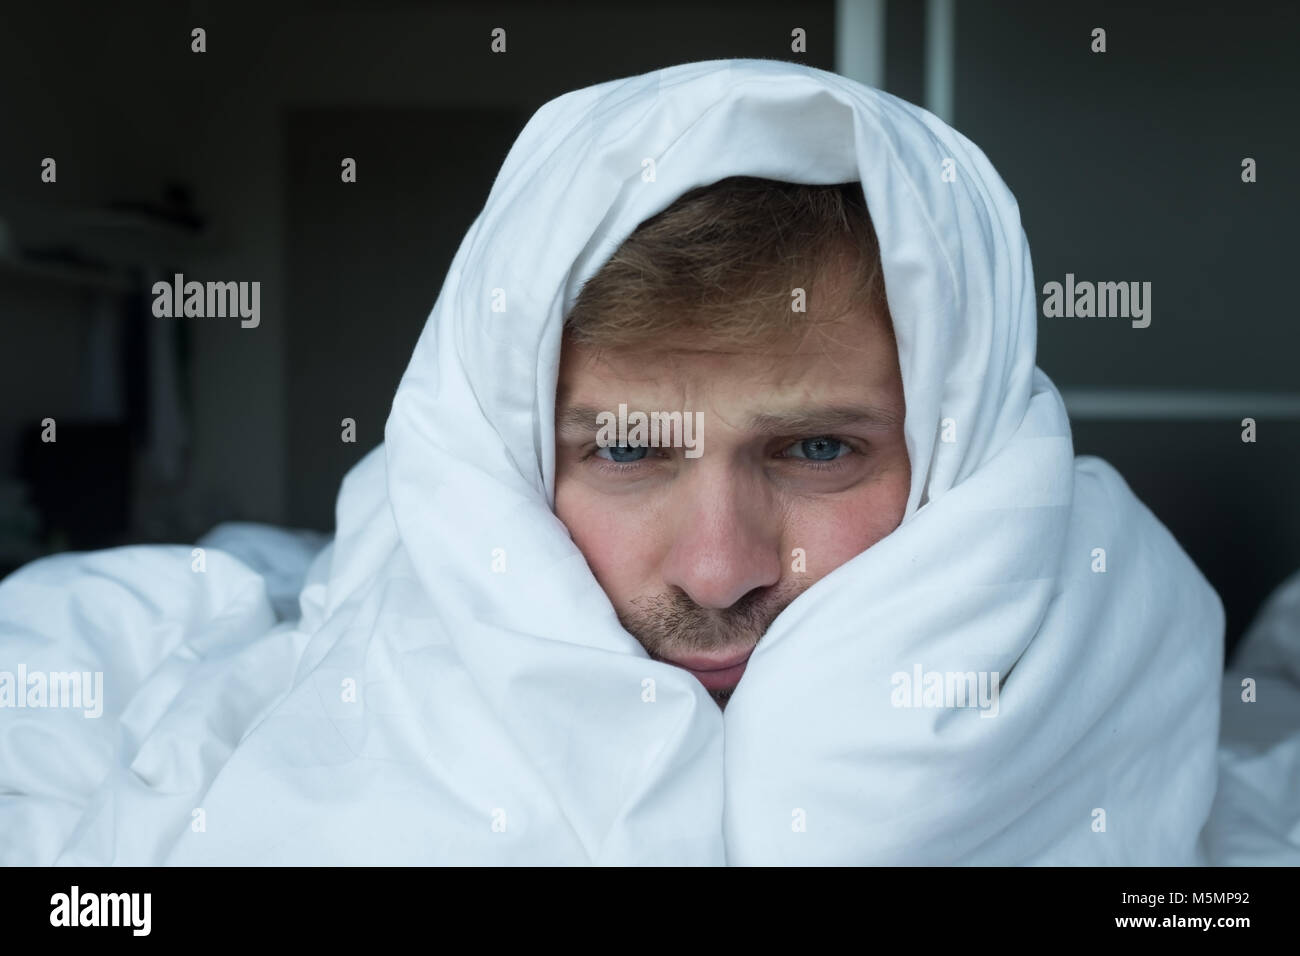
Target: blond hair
[{"x": 723, "y": 260}]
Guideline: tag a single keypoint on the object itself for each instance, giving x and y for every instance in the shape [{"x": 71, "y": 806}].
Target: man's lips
[{"x": 716, "y": 673}]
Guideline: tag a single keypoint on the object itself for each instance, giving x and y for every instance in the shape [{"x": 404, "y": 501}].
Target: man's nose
[{"x": 727, "y": 540}]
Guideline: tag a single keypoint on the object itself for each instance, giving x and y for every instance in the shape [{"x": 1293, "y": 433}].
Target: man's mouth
[{"x": 715, "y": 672}]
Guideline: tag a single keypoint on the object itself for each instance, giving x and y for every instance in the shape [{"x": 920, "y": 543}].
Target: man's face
[{"x": 802, "y": 465}]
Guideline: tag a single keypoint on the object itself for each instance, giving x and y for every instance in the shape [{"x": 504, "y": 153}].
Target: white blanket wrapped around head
[{"x": 443, "y": 710}]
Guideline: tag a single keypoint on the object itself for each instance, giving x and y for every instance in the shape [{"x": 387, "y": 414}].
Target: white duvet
[{"x": 426, "y": 708}]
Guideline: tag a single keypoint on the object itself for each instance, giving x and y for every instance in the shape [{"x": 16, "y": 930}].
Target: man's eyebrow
[
  {"x": 581, "y": 419},
  {"x": 808, "y": 421},
  {"x": 578, "y": 419}
]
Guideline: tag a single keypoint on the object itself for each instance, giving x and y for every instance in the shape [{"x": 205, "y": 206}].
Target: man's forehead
[
  {"x": 837, "y": 362},
  {"x": 810, "y": 400},
  {"x": 816, "y": 343},
  {"x": 771, "y": 417}
]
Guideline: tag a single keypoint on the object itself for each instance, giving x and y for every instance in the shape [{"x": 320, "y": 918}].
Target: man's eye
[
  {"x": 818, "y": 449},
  {"x": 622, "y": 453}
]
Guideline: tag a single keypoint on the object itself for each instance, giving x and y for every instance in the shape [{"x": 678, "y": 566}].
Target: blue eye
[
  {"x": 819, "y": 449},
  {"x": 623, "y": 453}
]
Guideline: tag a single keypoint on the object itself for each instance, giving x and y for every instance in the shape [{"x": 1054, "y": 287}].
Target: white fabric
[
  {"x": 501, "y": 717},
  {"x": 281, "y": 556},
  {"x": 1256, "y": 815}
]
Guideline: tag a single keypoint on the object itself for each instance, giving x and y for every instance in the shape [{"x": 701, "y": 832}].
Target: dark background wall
[
  {"x": 1126, "y": 166},
  {"x": 364, "y": 265}
]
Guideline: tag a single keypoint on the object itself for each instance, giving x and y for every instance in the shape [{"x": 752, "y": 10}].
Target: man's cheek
[
  {"x": 617, "y": 550},
  {"x": 820, "y": 543}
]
